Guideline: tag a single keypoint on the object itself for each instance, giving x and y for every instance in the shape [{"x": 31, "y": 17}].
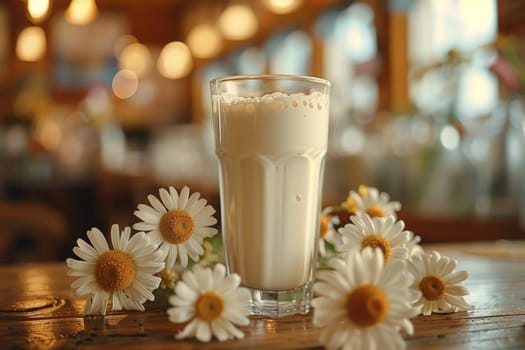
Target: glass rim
[{"x": 269, "y": 77}]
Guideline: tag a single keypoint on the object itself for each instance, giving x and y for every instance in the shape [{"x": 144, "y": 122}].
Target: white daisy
[
  {"x": 364, "y": 231},
  {"x": 362, "y": 303},
  {"x": 327, "y": 232},
  {"x": 178, "y": 222},
  {"x": 371, "y": 201},
  {"x": 213, "y": 301},
  {"x": 441, "y": 287},
  {"x": 124, "y": 273}
]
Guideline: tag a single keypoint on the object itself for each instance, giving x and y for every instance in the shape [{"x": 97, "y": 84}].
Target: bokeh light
[
  {"x": 81, "y": 12},
  {"x": 125, "y": 83},
  {"x": 204, "y": 41},
  {"x": 31, "y": 44},
  {"x": 136, "y": 57},
  {"x": 49, "y": 134},
  {"x": 175, "y": 60},
  {"x": 37, "y": 9},
  {"x": 282, "y": 7},
  {"x": 449, "y": 137},
  {"x": 238, "y": 22}
]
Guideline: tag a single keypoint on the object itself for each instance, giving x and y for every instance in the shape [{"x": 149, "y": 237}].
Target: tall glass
[{"x": 271, "y": 135}]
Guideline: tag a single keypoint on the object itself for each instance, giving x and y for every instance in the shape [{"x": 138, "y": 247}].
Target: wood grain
[{"x": 39, "y": 311}]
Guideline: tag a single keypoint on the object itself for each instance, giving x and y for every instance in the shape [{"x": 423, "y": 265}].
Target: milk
[{"x": 271, "y": 151}]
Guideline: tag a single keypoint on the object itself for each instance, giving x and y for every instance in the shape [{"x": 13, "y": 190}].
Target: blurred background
[{"x": 104, "y": 101}]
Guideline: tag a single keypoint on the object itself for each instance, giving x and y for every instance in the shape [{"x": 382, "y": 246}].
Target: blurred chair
[{"x": 31, "y": 231}]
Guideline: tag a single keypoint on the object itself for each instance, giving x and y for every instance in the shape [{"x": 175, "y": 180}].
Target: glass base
[{"x": 281, "y": 303}]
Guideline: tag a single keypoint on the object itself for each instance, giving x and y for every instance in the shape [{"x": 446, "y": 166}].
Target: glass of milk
[{"x": 271, "y": 134}]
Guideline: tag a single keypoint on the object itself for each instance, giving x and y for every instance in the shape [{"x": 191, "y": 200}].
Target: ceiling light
[
  {"x": 136, "y": 57},
  {"x": 238, "y": 22},
  {"x": 31, "y": 44},
  {"x": 175, "y": 60},
  {"x": 282, "y": 7},
  {"x": 81, "y": 12},
  {"x": 37, "y": 9},
  {"x": 204, "y": 41}
]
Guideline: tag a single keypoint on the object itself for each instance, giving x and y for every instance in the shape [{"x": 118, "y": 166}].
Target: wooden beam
[{"x": 398, "y": 61}]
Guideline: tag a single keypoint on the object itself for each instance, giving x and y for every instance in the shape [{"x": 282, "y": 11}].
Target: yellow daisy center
[
  {"x": 367, "y": 305},
  {"x": 208, "y": 249},
  {"x": 168, "y": 278},
  {"x": 375, "y": 211},
  {"x": 362, "y": 190},
  {"x": 378, "y": 241},
  {"x": 114, "y": 270},
  {"x": 176, "y": 226},
  {"x": 324, "y": 226},
  {"x": 432, "y": 287},
  {"x": 209, "y": 306},
  {"x": 350, "y": 205}
]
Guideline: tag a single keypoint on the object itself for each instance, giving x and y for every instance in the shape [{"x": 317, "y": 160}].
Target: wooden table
[{"x": 39, "y": 311}]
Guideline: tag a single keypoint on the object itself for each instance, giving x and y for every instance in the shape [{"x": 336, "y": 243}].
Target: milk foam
[{"x": 271, "y": 151}]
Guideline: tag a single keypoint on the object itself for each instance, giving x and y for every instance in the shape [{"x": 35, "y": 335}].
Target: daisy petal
[
  {"x": 144, "y": 226},
  {"x": 203, "y": 332},
  {"x": 166, "y": 199},
  {"x": 157, "y": 205},
  {"x": 183, "y": 255},
  {"x": 456, "y": 277},
  {"x": 189, "y": 330},
  {"x": 183, "y": 197},
  {"x": 79, "y": 266},
  {"x": 147, "y": 209},
  {"x": 147, "y": 217},
  {"x": 87, "y": 248},
  {"x": 98, "y": 240},
  {"x": 219, "y": 330},
  {"x": 115, "y": 236},
  {"x": 85, "y": 255}
]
